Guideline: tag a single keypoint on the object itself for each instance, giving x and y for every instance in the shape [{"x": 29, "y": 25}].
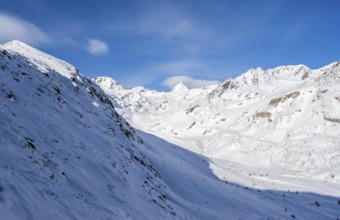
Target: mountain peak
[
  {"x": 43, "y": 61},
  {"x": 18, "y": 46},
  {"x": 16, "y": 42},
  {"x": 330, "y": 67},
  {"x": 109, "y": 85},
  {"x": 106, "y": 80},
  {"x": 180, "y": 88}
]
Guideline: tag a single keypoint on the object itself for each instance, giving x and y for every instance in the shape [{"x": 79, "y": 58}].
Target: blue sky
[{"x": 154, "y": 43}]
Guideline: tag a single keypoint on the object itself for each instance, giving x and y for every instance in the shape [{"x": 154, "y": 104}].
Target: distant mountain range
[{"x": 288, "y": 116}]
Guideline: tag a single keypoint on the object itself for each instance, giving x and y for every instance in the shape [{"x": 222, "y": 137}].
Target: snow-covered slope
[{"x": 67, "y": 154}]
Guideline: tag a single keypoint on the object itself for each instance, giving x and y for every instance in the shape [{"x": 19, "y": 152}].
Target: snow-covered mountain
[
  {"x": 269, "y": 129},
  {"x": 66, "y": 153},
  {"x": 287, "y": 116}
]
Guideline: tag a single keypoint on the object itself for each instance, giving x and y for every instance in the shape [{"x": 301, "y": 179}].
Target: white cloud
[
  {"x": 188, "y": 81},
  {"x": 14, "y": 28},
  {"x": 97, "y": 47}
]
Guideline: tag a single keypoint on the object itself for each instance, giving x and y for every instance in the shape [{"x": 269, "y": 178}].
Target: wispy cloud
[
  {"x": 179, "y": 31},
  {"x": 169, "y": 27},
  {"x": 156, "y": 74},
  {"x": 187, "y": 67},
  {"x": 97, "y": 47},
  {"x": 163, "y": 70},
  {"x": 167, "y": 23},
  {"x": 64, "y": 39},
  {"x": 15, "y": 28},
  {"x": 188, "y": 81}
]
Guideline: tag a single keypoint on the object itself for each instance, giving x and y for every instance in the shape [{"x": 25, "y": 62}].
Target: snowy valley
[{"x": 265, "y": 145}]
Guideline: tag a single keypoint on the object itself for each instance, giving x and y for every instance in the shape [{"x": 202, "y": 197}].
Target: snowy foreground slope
[{"x": 67, "y": 154}]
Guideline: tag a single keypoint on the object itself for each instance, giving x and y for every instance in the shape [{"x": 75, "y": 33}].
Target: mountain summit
[{"x": 179, "y": 88}]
